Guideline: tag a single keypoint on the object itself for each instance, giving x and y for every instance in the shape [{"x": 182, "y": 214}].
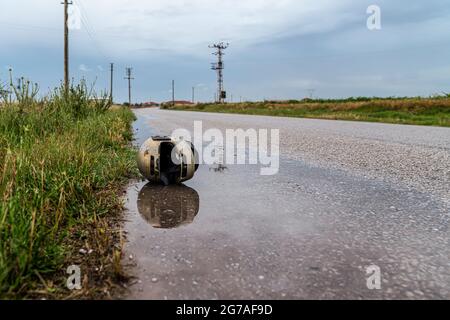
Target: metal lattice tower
[{"x": 219, "y": 66}]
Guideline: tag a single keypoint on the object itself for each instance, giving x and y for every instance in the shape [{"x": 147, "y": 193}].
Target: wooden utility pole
[
  {"x": 193, "y": 94},
  {"x": 111, "y": 84},
  {"x": 129, "y": 78},
  {"x": 66, "y": 44}
]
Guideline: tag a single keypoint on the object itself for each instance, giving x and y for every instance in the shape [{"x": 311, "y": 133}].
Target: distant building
[{"x": 150, "y": 104}]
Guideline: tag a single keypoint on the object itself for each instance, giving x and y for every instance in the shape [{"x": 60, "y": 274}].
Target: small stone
[
  {"x": 154, "y": 280},
  {"x": 418, "y": 292},
  {"x": 83, "y": 251},
  {"x": 261, "y": 277}
]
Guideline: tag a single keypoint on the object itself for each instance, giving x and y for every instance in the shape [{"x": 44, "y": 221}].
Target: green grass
[
  {"x": 63, "y": 160},
  {"x": 416, "y": 111}
]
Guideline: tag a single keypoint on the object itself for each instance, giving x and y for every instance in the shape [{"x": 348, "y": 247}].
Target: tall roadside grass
[
  {"x": 433, "y": 111},
  {"x": 63, "y": 160}
]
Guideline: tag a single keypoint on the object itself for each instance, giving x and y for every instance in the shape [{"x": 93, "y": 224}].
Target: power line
[
  {"x": 219, "y": 66},
  {"x": 90, "y": 31},
  {"x": 88, "y": 27},
  {"x": 28, "y": 26}
]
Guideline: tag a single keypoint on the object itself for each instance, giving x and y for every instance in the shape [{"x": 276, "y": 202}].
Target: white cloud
[
  {"x": 333, "y": 50},
  {"x": 201, "y": 86},
  {"x": 189, "y": 26},
  {"x": 84, "y": 68},
  {"x": 301, "y": 83},
  {"x": 179, "y": 26}
]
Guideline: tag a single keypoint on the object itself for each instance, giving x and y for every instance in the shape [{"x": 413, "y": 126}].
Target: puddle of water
[
  {"x": 168, "y": 207},
  {"x": 142, "y": 130}
]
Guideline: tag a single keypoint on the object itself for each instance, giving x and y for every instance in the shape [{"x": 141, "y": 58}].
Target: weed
[
  {"x": 63, "y": 159},
  {"x": 420, "y": 111}
]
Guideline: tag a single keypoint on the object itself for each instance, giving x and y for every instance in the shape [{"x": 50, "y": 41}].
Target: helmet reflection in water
[{"x": 168, "y": 207}]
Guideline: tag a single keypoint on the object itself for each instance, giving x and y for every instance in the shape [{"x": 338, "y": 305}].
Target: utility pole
[
  {"x": 111, "y": 98},
  {"x": 129, "y": 78},
  {"x": 193, "y": 94},
  {"x": 10, "y": 84},
  {"x": 219, "y": 66},
  {"x": 311, "y": 93},
  {"x": 66, "y": 44},
  {"x": 173, "y": 93}
]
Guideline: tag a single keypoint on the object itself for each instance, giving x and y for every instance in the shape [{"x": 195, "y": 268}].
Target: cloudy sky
[{"x": 279, "y": 49}]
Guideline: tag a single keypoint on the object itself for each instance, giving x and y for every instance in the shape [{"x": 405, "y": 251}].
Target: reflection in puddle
[
  {"x": 168, "y": 207},
  {"x": 218, "y": 168}
]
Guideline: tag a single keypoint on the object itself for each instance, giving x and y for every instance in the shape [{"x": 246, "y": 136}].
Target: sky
[{"x": 278, "y": 49}]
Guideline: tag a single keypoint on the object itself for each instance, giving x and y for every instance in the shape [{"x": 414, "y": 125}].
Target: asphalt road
[{"x": 349, "y": 195}]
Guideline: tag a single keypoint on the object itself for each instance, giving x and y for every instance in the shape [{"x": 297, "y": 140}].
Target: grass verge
[
  {"x": 415, "y": 111},
  {"x": 64, "y": 160}
]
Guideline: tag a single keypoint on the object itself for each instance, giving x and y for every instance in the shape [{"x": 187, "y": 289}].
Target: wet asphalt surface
[{"x": 309, "y": 232}]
